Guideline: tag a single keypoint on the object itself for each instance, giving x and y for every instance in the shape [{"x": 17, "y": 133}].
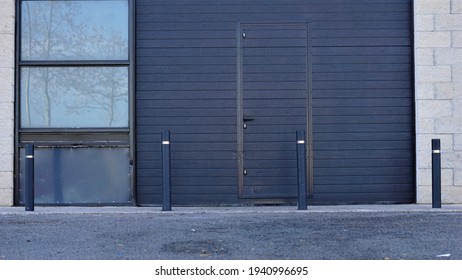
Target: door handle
[{"x": 247, "y": 119}]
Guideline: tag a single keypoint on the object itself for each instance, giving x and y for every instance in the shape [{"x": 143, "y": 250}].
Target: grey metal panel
[
  {"x": 362, "y": 94},
  {"x": 82, "y": 175}
]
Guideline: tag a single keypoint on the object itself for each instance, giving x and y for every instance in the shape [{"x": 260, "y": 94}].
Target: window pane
[
  {"x": 74, "y": 97},
  {"x": 79, "y": 175},
  {"x": 74, "y": 30}
]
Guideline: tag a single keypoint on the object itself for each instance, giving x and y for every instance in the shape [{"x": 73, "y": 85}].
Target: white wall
[
  {"x": 7, "y": 13},
  {"x": 438, "y": 59}
]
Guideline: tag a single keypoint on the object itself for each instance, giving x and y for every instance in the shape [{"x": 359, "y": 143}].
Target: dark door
[{"x": 273, "y": 102}]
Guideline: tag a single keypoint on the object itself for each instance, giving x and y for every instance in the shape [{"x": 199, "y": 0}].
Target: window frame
[
  {"x": 75, "y": 63},
  {"x": 71, "y": 137}
]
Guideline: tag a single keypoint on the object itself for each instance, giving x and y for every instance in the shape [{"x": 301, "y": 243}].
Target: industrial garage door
[{"x": 341, "y": 70}]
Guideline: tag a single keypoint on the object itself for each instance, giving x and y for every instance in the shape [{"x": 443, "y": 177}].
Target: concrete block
[
  {"x": 458, "y": 176},
  {"x": 446, "y": 91},
  {"x": 424, "y": 158},
  {"x": 424, "y": 193},
  {"x": 452, "y": 90},
  {"x": 457, "y": 39},
  {"x": 434, "y": 108},
  {"x": 424, "y": 176},
  {"x": 7, "y": 8},
  {"x": 448, "y": 56},
  {"x": 6, "y": 164},
  {"x": 6, "y": 85},
  {"x": 424, "y": 123},
  {"x": 6, "y": 197},
  {"x": 448, "y": 22},
  {"x": 7, "y": 130},
  {"x": 6, "y": 92},
  {"x": 456, "y": 6},
  {"x": 447, "y": 177},
  {"x": 7, "y": 73},
  {"x": 6, "y": 147},
  {"x": 451, "y": 159},
  {"x": 424, "y": 23},
  {"x": 6, "y": 180},
  {"x": 450, "y": 194},
  {"x": 424, "y": 56},
  {"x": 433, "y": 74},
  {"x": 457, "y": 105},
  {"x": 448, "y": 125},
  {"x": 425, "y": 91},
  {"x": 7, "y": 25},
  {"x": 440, "y": 39},
  {"x": 7, "y": 51},
  {"x": 6, "y": 140},
  {"x": 458, "y": 142},
  {"x": 6, "y": 126},
  {"x": 457, "y": 88},
  {"x": 432, "y": 6},
  {"x": 457, "y": 74},
  {"x": 6, "y": 111}
]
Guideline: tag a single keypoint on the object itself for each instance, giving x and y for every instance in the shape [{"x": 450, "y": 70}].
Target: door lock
[{"x": 245, "y": 172}]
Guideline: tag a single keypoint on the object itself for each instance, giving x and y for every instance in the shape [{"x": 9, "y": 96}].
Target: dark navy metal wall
[{"x": 357, "y": 76}]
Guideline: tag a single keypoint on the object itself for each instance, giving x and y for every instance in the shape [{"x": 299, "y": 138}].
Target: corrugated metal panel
[{"x": 362, "y": 96}]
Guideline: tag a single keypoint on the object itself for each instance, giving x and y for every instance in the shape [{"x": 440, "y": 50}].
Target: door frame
[{"x": 240, "y": 112}]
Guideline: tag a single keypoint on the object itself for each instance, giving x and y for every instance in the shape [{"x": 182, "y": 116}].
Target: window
[
  {"x": 61, "y": 41},
  {"x": 73, "y": 97},
  {"x": 74, "y": 93}
]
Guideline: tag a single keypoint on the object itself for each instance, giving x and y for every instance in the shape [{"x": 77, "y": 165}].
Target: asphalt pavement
[{"x": 361, "y": 232}]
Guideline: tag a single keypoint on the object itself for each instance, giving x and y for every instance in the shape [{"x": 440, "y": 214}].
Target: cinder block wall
[
  {"x": 7, "y": 14},
  {"x": 438, "y": 59}
]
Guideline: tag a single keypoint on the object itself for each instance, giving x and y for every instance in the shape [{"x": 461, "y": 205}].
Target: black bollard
[
  {"x": 29, "y": 188},
  {"x": 301, "y": 170},
  {"x": 436, "y": 173},
  {"x": 166, "y": 180}
]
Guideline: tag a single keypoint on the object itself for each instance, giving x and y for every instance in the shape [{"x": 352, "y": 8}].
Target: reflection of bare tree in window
[
  {"x": 27, "y": 85},
  {"x": 43, "y": 17},
  {"x": 60, "y": 30},
  {"x": 103, "y": 89}
]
